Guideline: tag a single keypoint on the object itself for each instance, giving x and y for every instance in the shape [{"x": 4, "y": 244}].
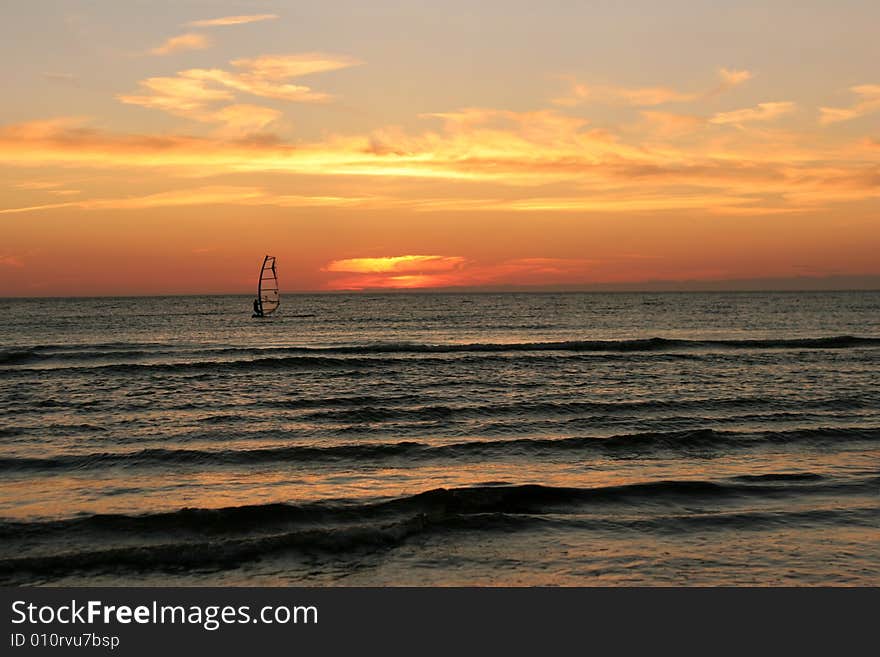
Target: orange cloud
[
  {"x": 870, "y": 102},
  {"x": 395, "y": 264},
  {"x": 190, "y": 93},
  {"x": 208, "y": 195},
  {"x": 731, "y": 77},
  {"x": 579, "y": 93},
  {"x": 410, "y": 272},
  {"x": 37, "y": 184},
  {"x": 257, "y": 85},
  {"x": 10, "y": 261},
  {"x": 233, "y": 20},
  {"x": 189, "y": 41},
  {"x": 198, "y": 196},
  {"x": 180, "y": 96},
  {"x": 763, "y": 112},
  {"x": 266, "y": 76},
  {"x": 282, "y": 67},
  {"x": 191, "y": 99},
  {"x": 49, "y": 187},
  {"x": 400, "y": 272},
  {"x": 623, "y": 203},
  {"x": 242, "y": 119}
]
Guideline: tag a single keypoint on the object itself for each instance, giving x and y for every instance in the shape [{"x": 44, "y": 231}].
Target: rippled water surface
[{"x": 509, "y": 439}]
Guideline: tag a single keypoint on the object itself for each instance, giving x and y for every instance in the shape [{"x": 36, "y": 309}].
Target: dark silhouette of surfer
[{"x": 258, "y": 307}]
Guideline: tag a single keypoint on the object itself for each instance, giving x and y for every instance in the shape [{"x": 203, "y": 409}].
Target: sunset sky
[{"x": 165, "y": 147}]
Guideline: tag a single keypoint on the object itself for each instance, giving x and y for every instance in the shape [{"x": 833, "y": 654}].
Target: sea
[{"x": 534, "y": 439}]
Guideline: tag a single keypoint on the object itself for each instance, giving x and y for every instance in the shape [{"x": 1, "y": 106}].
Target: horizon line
[{"x": 450, "y": 291}]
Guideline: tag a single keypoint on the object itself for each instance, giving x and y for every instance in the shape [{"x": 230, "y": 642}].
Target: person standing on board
[{"x": 258, "y": 308}]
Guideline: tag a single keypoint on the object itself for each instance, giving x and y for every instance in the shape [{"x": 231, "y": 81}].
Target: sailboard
[{"x": 268, "y": 299}]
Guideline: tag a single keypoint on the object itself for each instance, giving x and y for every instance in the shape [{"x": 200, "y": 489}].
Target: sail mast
[{"x": 267, "y": 287}]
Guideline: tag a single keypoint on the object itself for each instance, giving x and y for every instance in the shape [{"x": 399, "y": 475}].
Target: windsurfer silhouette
[{"x": 258, "y": 308}]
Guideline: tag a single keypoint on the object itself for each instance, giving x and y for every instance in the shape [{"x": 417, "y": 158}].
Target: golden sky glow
[{"x": 361, "y": 148}]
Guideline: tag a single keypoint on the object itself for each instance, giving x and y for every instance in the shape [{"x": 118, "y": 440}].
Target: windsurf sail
[{"x": 267, "y": 288}]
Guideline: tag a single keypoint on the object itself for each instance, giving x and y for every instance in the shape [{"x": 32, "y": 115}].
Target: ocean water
[{"x": 442, "y": 439}]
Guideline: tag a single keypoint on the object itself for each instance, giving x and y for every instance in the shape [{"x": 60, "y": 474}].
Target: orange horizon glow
[{"x": 212, "y": 143}]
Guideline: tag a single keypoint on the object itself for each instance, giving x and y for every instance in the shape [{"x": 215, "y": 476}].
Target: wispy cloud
[
  {"x": 194, "y": 93},
  {"x": 580, "y": 93},
  {"x": 189, "y": 41},
  {"x": 243, "y": 119},
  {"x": 282, "y": 67},
  {"x": 232, "y": 20},
  {"x": 37, "y": 184},
  {"x": 762, "y": 112},
  {"x": 730, "y": 78},
  {"x": 178, "y": 95},
  {"x": 267, "y": 76},
  {"x": 615, "y": 202},
  {"x": 198, "y": 196},
  {"x": 207, "y": 195},
  {"x": 48, "y": 187},
  {"x": 7, "y": 260},
  {"x": 869, "y": 102}
]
